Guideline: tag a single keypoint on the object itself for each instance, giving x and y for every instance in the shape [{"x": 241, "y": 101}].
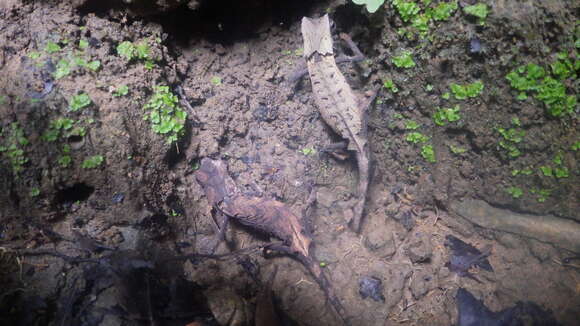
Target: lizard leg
[
  {"x": 222, "y": 230},
  {"x": 358, "y": 55},
  {"x": 338, "y": 150}
]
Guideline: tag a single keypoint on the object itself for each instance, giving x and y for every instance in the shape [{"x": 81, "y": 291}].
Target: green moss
[
  {"x": 411, "y": 125},
  {"x": 51, "y": 47},
  {"x": 404, "y": 60},
  {"x": 516, "y": 192},
  {"x": 478, "y": 10},
  {"x": 428, "y": 153},
  {"x": 92, "y": 162},
  {"x": 406, "y": 9},
  {"x": 551, "y": 90},
  {"x": 79, "y": 101},
  {"x": 444, "y": 10},
  {"x": 390, "y": 85},
  {"x": 444, "y": 115},
  {"x": 216, "y": 80},
  {"x": 469, "y": 90},
  {"x": 165, "y": 115},
  {"x": 416, "y": 137},
  {"x": 12, "y": 145},
  {"x": 121, "y": 91}
]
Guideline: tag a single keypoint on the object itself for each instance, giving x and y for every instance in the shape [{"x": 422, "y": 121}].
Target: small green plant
[
  {"x": 542, "y": 194},
  {"x": 446, "y": 95},
  {"x": 526, "y": 171},
  {"x": 139, "y": 51},
  {"x": 63, "y": 68},
  {"x": 444, "y": 115},
  {"x": 404, "y": 60},
  {"x": 390, "y": 85},
  {"x": 411, "y": 125},
  {"x": 371, "y": 5},
  {"x": 83, "y": 44},
  {"x": 516, "y": 122},
  {"x": 429, "y": 87},
  {"x": 164, "y": 113},
  {"x": 406, "y": 9},
  {"x": 126, "y": 50},
  {"x": 515, "y": 192},
  {"x": 34, "y": 55},
  {"x": 457, "y": 150},
  {"x": 511, "y": 137},
  {"x": 469, "y": 90},
  {"x": 576, "y": 146},
  {"x": 216, "y": 80},
  {"x": 64, "y": 160},
  {"x": 94, "y": 65},
  {"x": 308, "y": 151},
  {"x": 51, "y": 47},
  {"x": 428, "y": 153},
  {"x": 416, "y": 137},
  {"x": 121, "y": 91},
  {"x": 79, "y": 101},
  {"x": 13, "y": 147},
  {"x": 478, "y": 10},
  {"x": 551, "y": 91},
  {"x": 444, "y": 10},
  {"x": 92, "y": 162},
  {"x": 34, "y": 192}
]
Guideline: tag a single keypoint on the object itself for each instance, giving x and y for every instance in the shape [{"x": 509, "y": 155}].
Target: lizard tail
[
  {"x": 363, "y": 185},
  {"x": 325, "y": 285}
]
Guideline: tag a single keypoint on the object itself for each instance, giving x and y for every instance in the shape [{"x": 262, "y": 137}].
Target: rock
[
  {"x": 421, "y": 250},
  {"x": 423, "y": 281},
  {"x": 370, "y": 286}
]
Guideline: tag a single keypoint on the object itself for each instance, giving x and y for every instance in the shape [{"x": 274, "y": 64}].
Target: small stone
[
  {"x": 421, "y": 250},
  {"x": 370, "y": 286}
]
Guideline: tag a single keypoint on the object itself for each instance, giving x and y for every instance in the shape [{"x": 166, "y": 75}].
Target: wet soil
[{"x": 229, "y": 68}]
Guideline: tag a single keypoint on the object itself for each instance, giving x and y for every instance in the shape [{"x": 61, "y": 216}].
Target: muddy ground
[{"x": 137, "y": 193}]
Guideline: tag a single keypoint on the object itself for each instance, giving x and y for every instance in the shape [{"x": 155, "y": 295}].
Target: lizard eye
[{"x": 332, "y": 25}]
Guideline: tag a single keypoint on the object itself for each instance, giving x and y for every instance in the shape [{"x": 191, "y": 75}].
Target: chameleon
[
  {"x": 337, "y": 103},
  {"x": 267, "y": 216}
]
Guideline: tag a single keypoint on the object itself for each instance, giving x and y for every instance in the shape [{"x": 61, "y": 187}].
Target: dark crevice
[
  {"x": 72, "y": 194},
  {"x": 228, "y": 21}
]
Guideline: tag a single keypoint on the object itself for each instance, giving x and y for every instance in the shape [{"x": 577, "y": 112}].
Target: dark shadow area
[
  {"x": 228, "y": 21},
  {"x": 77, "y": 192}
]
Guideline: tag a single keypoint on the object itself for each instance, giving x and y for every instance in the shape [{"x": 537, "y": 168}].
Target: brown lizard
[
  {"x": 266, "y": 215},
  {"x": 336, "y": 101}
]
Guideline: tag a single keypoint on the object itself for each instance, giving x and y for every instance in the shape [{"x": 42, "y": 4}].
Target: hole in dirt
[
  {"x": 230, "y": 20},
  {"x": 69, "y": 195}
]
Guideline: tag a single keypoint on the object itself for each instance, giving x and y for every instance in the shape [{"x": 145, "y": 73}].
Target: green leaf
[
  {"x": 51, "y": 47},
  {"x": 516, "y": 192},
  {"x": 404, "y": 60},
  {"x": 444, "y": 10},
  {"x": 92, "y": 162},
  {"x": 407, "y": 10},
  {"x": 547, "y": 171},
  {"x": 64, "y": 160},
  {"x": 416, "y": 137},
  {"x": 63, "y": 68},
  {"x": 79, "y": 101},
  {"x": 83, "y": 44},
  {"x": 371, "y": 5},
  {"x": 94, "y": 65},
  {"x": 478, "y": 10},
  {"x": 428, "y": 153},
  {"x": 411, "y": 125},
  {"x": 216, "y": 80},
  {"x": 126, "y": 50},
  {"x": 121, "y": 91}
]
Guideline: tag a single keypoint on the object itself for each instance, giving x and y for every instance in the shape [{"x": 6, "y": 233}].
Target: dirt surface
[{"x": 76, "y": 175}]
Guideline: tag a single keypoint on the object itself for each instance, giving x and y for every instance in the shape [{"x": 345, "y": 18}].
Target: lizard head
[{"x": 317, "y": 37}]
